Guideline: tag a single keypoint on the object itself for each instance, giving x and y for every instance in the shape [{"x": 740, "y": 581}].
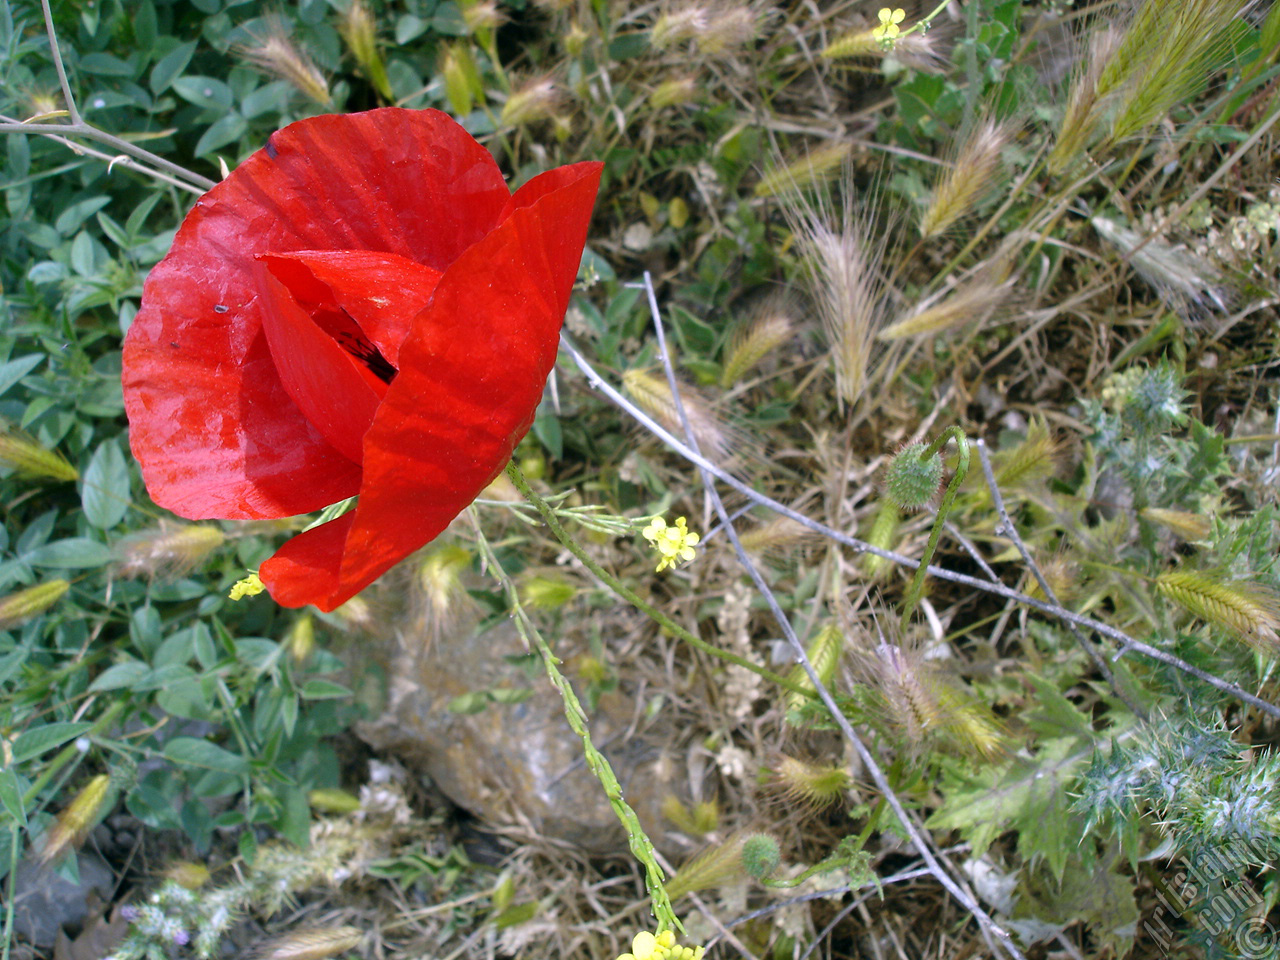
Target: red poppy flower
[{"x": 361, "y": 307}]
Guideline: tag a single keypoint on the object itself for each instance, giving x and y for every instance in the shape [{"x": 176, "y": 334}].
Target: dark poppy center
[{"x": 346, "y": 333}]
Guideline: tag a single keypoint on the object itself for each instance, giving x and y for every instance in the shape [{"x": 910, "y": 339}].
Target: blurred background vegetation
[{"x": 1051, "y": 224}]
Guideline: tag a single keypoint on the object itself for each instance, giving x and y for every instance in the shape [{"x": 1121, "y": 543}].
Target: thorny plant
[{"x": 1100, "y": 157}]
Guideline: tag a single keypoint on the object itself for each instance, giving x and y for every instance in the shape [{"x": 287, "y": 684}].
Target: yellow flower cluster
[
  {"x": 889, "y": 20},
  {"x": 250, "y": 586},
  {"x": 675, "y": 543},
  {"x": 645, "y": 946}
]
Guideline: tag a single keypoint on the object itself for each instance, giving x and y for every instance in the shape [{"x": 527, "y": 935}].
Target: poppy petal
[
  {"x": 337, "y": 394},
  {"x": 472, "y": 372},
  {"x": 211, "y": 424},
  {"x": 382, "y": 292}
]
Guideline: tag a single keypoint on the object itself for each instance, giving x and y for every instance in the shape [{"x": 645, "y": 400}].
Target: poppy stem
[{"x": 629, "y": 595}]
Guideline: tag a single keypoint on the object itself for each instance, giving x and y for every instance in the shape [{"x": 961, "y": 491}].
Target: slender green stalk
[
  {"x": 948, "y": 500},
  {"x": 614, "y": 584},
  {"x": 637, "y": 839}
]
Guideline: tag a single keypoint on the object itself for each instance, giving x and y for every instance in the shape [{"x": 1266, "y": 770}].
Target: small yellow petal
[
  {"x": 250, "y": 586},
  {"x": 643, "y": 945}
]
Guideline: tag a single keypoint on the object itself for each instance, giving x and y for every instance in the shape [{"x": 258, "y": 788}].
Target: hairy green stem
[
  {"x": 614, "y": 584},
  {"x": 948, "y": 500}
]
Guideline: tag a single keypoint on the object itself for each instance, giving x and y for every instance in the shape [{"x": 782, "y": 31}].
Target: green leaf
[
  {"x": 72, "y": 218},
  {"x": 105, "y": 65},
  {"x": 115, "y": 233},
  {"x": 409, "y": 27},
  {"x": 170, "y": 67},
  {"x": 546, "y": 426},
  {"x": 510, "y": 694},
  {"x": 448, "y": 20},
  {"x": 1101, "y": 897},
  {"x": 188, "y": 751},
  {"x": 205, "y": 92},
  {"x": 12, "y": 662},
  {"x": 74, "y": 553},
  {"x": 121, "y": 676},
  {"x": 469, "y": 703},
  {"x": 145, "y": 26},
  {"x": 1057, "y": 717},
  {"x": 44, "y": 738},
  {"x": 517, "y": 914},
  {"x": 695, "y": 336},
  {"x": 8, "y": 838},
  {"x": 295, "y": 818},
  {"x": 83, "y": 259},
  {"x": 267, "y": 97},
  {"x": 224, "y": 130},
  {"x": 11, "y": 790},
  {"x": 188, "y": 698},
  {"x": 105, "y": 495},
  {"x": 17, "y": 368},
  {"x": 323, "y": 690},
  {"x": 1029, "y": 795},
  {"x": 137, "y": 219}
]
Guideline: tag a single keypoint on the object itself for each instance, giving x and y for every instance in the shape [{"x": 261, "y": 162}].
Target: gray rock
[
  {"x": 44, "y": 901},
  {"x": 517, "y": 762}
]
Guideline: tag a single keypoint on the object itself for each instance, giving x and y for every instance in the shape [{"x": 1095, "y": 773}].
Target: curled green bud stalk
[
  {"x": 760, "y": 855},
  {"x": 914, "y": 478}
]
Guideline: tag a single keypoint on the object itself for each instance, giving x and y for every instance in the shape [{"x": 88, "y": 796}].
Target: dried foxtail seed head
[
  {"x": 815, "y": 785},
  {"x": 19, "y": 607},
  {"x": 673, "y": 92},
  {"x": 972, "y": 176},
  {"x": 72, "y": 825},
  {"x": 716, "y": 866},
  {"x": 817, "y": 166},
  {"x": 653, "y": 394},
  {"x": 318, "y": 943},
  {"x": 758, "y": 337},
  {"x": 1250, "y": 610},
  {"x": 275, "y": 54},
  {"x": 168, "y": 551},
  {"x": 360, "y": 31},
  {"x": 536, "y": 100},
  {"x": 29, "y": 458}
]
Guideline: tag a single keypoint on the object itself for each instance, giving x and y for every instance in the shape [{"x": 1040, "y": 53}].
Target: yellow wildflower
[
  {"x": 645, "y": 946},
  {"x": 675, "y": 543},
  {"x": 250, "y": 586},
  {"x": 889, "y": 20}
]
